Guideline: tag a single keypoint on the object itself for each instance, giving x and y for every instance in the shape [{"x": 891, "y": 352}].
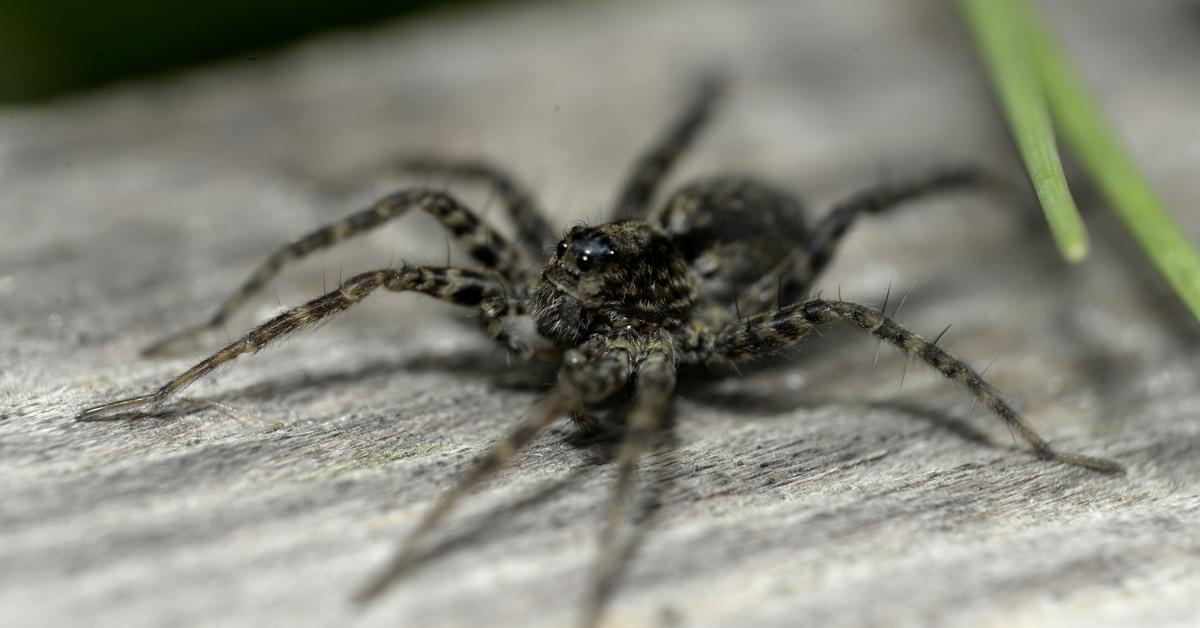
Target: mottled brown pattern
[
  {"x": 654, "y": 165},
  {"x": 792, "y": 276},
  {"x": 623, "y": 303},
  {"x": 461, "y": 286},
  {"x": 486, "y": 245},
  {"x": 773, "y": 331},
  {"x": 718, "y": 224},
  {"x": 534, "y": 232}
]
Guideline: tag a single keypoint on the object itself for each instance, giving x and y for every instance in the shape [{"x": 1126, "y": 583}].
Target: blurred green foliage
[
  {"x": 1040, "y": 94},
  {"x": 52, "y": 46}
]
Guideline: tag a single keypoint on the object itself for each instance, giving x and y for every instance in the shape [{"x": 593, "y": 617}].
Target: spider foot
[
  {"x": 1100, "y": 465},
  {"x": 116, "y": 408}
]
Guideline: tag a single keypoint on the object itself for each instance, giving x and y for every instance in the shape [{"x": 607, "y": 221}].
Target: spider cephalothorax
[
  {"x": 614, "y": 276},
  {"x": 717, "y": 274}
]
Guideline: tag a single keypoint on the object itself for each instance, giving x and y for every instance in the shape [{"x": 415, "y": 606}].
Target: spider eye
[
  {"x": 562, "y": 248},
  {"x": 584, "y": 263}
]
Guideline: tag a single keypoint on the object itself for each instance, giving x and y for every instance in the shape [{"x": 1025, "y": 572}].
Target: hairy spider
[{"x": 716, "y": 274}]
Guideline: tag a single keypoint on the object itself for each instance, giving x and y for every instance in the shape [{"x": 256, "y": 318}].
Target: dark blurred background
[{"x": 51, "y": 47}]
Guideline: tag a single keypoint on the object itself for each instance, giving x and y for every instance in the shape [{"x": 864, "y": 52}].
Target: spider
[{"x": 716, "y": 274}]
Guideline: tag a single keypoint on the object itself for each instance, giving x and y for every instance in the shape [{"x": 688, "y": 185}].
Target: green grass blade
[
  {"x": 1110, "y": 168},
  {"x": 998, "y": 29}
]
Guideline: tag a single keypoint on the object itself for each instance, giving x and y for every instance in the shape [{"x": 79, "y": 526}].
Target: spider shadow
[
  {"x": 486, "y": 522},
  {"x": 701, "y": 390},
  {"x": 605, "y": 436},
  {"x": 602, "y": 445},
  {"x": 477, "y": 364},
  {"x": 658, "y": 482}
]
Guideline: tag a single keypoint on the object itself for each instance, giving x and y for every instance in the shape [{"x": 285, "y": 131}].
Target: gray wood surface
[{"x": 818, "y": 491}]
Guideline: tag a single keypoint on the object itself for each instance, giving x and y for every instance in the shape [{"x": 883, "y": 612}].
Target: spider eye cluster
[
  {"x": 593, "y": 256},
  {"x": 590, "y": 252}
]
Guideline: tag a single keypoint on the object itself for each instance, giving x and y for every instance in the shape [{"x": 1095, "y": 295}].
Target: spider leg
[
  {"x": 775, "y": 330},
  {"x": 460, "y": 286},
  {"x": 493, "y": 311},
  {"x": 654, "y": 384},
  {"x": 534, "y": 232},
  {"x": 580, "y": 381},
  {"x": 485, "y": 245},
  {"x": 795, "y": 273},
  {"x": 653, "y": 166}
]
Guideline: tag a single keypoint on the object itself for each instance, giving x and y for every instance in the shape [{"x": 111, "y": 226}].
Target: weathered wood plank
[{"x": 813, "y": 492}]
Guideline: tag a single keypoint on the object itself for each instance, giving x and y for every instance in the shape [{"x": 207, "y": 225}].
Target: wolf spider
[{"x": 714, "y": 275}]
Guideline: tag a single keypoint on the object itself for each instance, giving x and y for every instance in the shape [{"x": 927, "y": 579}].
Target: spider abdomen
[{"x": 731, "y": 230}]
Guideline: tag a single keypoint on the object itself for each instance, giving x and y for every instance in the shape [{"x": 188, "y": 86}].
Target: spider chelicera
[{"x": 716, "y": 274}]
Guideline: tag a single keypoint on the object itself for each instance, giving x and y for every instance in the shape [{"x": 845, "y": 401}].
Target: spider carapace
[{"x": 715, "y": 274}]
